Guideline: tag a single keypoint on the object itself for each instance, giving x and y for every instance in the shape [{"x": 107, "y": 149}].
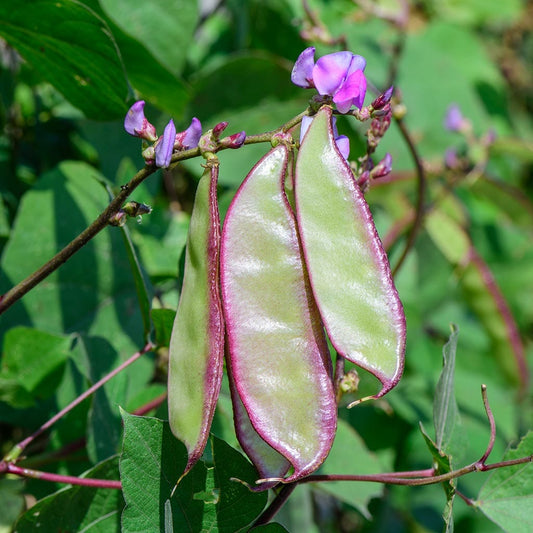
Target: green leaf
[
  {"x": 151, "y": 464},
  {"x": 449, "y": 436},
  {"x": 11, "y": 502},
  {"x": 164, "y": 27},
  {"x": 163, "y": 320},
  {"x": 443, "y": 465},
  {"x": 237, "y": 506},
  {"x": 143, "y": 293},
  {"x": 71, "y": 48},
  {"x": 93, "y": 293},
  {"x": 35, "y": 358},
  {"x": 507, "y": 496},
  {"x": 349, "y": 455},
  {"x": 78, "y": 508}
]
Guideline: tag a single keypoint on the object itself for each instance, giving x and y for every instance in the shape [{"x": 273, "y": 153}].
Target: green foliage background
[{"x": 69, "y": 71}]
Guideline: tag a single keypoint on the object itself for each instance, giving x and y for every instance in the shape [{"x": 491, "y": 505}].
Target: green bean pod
[
  {"x": 348, "y": 268},
  {"x": 277, "y": 354},
  {"x": 196, "y": 352}
]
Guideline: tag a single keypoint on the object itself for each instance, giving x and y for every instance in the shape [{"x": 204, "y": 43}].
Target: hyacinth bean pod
[
  {"x": 196, "y": 351},
  {"x": 268, "y": 462},
  {"x": 277, "y": 355},
  {"x": 348, "y": 268}
]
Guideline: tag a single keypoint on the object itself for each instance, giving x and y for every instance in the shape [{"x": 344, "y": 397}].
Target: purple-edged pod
[
  {"x": 348, "y": 268},
  {"x": 196, "y": 353},
  {"x": 277, "y": 352},
  {"x": 268, "y": 462}
]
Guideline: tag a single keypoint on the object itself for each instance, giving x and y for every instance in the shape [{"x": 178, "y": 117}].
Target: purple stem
[
  {"x": 23, "y": 444},
  {"x": 492, "y": 423},
  {"x": 154, "y": 404},
  {"x": 10, "y": 468}
]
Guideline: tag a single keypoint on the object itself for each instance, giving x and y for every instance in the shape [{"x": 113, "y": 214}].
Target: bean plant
[{"x": 265, "y": 266}]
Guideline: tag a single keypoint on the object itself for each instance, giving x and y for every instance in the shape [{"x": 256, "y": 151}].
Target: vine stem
[
  {"x": 421, "y": 193},
  {"x": 19, "y": 448},
  {"x": 10, "y": 468}
]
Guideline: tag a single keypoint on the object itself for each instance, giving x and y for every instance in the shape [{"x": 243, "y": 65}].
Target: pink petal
[
  {"x": 352, "y": 91},
  {"x": 330, "y": 72}
]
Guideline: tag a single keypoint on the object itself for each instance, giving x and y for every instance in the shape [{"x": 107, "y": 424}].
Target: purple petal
[
  {"x": 353, "y": 91},
  {"x": 163, "y": 150},
  {"x": 357, "y": 63},
  {"x": 330, "y": 72},
  {"x": 343, "y": 144},
  {"x": 190, "y": 137},
  {"x": 133, "y": 123},
  {"x": 302, "y": 72},
  {"x": 454, "y": 119},
  {"x": 306, "y": 122}
]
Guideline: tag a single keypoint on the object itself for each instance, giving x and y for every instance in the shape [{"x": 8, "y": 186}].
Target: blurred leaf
[
  {"x": 78, "y": 508},
  {"x": 481, "y": 293},
  {"x": 164, "y": 27},
  {"x": 11, "y": 502},
  {"x": 35, "y": 358},
  {"x": 357, "y": 461},
  {"x": 71, "y": 48},
  {"x": 449, "y": 436},
  {"x": 163, "y": 322},
  {"x": 507, "y": 496}
]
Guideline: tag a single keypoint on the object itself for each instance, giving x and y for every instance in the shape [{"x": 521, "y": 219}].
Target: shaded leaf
[
  {"x": 163, "y": 321},
  {"x": 71, "y": 48}
]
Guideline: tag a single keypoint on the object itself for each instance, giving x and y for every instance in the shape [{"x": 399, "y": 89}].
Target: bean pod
[
  {"x": 196, "y": 351},
  {"x": 348, "y": 268},
  {"x": 278, "y": 354}
]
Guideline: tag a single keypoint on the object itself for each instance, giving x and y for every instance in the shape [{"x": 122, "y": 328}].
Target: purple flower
[
  {"x": 190, "y": 137},
  {"x": 136, "y": 124},
  {"x": 454, "y": 120},
  {"x": 339, "y": 75},
  {"x": 233, "y": 141},
  {"x": 342, "y": 142},
  {"x": 165, "y": 146}
]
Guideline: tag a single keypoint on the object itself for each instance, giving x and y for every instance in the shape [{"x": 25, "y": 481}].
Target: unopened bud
[
  {"x": 233, "y": 141},
  {"x": 383, "y": 99},
  {"x": 383, "y": 168},
  {"x": 118, "y": 219},
  {"x": 218, "y": 129}
]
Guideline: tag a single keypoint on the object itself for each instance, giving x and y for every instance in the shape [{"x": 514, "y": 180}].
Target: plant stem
[
  {"x": 277, "y": 503},
  {"x": 17, "y": 450},
  {"x": 421, "y": 193},
  {"x": 10, "y": 468}
]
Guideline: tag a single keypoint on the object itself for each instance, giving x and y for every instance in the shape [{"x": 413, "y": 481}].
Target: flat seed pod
[
  {"x": 348, "y": 267},
  {"x": 277, "y": 354},
  {"x": 269, "y": 463},
  {"x": 196, "y": 352}
]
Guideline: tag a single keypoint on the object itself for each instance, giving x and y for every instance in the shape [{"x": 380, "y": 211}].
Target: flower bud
[
  {"x": 383, "y": 98},
  {"x": 383, "y": 168},
  {"x": 454, "y": 120},
  {"x": 133, "y": 209},
  {"x": 218, "y": 129},
  {"x": 233, "y": 141}
]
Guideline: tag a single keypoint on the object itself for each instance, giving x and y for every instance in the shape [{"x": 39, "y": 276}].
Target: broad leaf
[
  {"x": 71, "y": 48},
  {"x": 507, "y": 496}
]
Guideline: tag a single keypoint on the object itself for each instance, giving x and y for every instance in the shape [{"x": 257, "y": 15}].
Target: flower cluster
[
  {"x": 339, "y": 75},
  {"x": 137, "y": 125}
]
